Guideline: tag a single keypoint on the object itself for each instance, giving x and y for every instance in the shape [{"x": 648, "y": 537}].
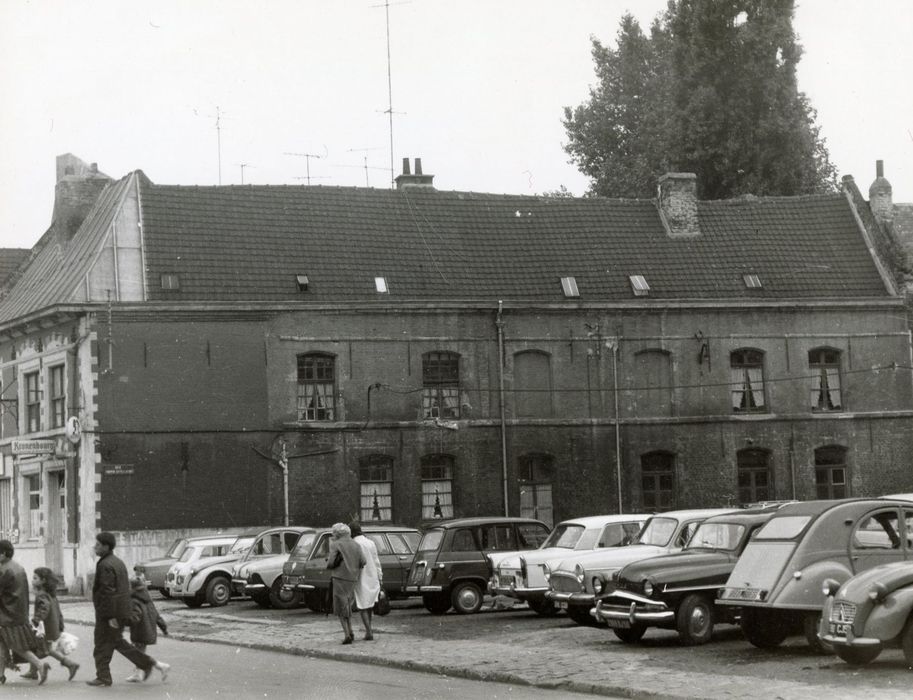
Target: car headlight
[
  {"x": 830, "y": 587},
  {"x": 192, "y": 573},
  {"x": 579, "y": 572},
  {"x": 523, "y": 570},
  {"x": 546, "y": 572},
  {"x": 878, "y": 592},
  {"x": 597, "y": 585},
  {"x": 648, "y": 587}
]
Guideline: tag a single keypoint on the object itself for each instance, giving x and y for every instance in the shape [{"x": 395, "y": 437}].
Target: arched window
[
  {"x": 755, "y": 479},
  {"x": 653, "y": 379},
  {"x": 831, "y": 472},
  {"x": 747, "y": 373},
  {"x": 536, "y": 473},
  {"x": 437, "y": 487},
  {"x": 532, "y": 384},
  {"x": 441, "y": 385},
  {"x": 316, "y": 387},
  {"x": 375, "y": 474},
  {"x": 824, "y": 368},
  {"x": 657, "y": 470}
]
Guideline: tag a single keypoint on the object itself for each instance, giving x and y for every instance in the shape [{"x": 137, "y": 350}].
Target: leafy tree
[{"x": 712, "y": 90}]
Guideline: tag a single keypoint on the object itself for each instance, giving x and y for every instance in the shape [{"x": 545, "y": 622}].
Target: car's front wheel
[
  {"x": 810, "y": 624},
  {"x": 435, "y": 603},
  {"x": 630, "y": 635},
  {"x": 906, "y": 641},
  {"x": 194, "y": 602},
  {"x": 858, "y": 656},
  {"x": 694, "y": 620},
  {"x": 218, "y": 591},
  {"x": 765, "y": 629},
  {"x": 581, "y": 615},
  {"x": 466, "y": 598},
  {"x": 283, "y": 598}
]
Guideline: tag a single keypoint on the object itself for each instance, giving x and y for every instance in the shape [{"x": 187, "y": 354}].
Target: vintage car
[
  {"x": 450, "y": 568},
  {"x": 677, "y": 591},
  {"x": 871, "y": 611},
  {"x": 155, "y": 570},
  {"x": 778, "y": 580},
  {"x": 306, "y": 568},
  {"x": 258, "y": 573},
  {"x": 570, "y": 581},
  {"x": 205, "y": 576},
  {"x": 521, "y": 575}
]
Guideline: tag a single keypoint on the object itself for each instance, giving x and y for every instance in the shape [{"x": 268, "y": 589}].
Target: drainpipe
[
  {"x": 613, "y": 344},
  {"x": 499, "y": 324}
]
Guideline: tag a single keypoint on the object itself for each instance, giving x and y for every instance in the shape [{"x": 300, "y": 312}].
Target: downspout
[
  {"x": 499, "y": 324},
  {"x": 612, "y": 343}
]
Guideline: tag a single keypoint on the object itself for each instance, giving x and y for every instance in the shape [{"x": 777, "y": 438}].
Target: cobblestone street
[{"x": 520, "y": 647}]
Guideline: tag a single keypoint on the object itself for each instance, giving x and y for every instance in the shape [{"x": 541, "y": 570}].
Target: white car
[
  {"x": 571, "y": 581},
  {"x": 197, "y": 551},
  {"x": 206, "y": 576},
  {"x": 522, "y": 575}
]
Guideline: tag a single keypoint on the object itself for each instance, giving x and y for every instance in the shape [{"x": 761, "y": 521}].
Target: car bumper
[
  {"x": 295, "y": 583},
  {"x": 575, "y": 599},
  {"x": 518, "y": 592},
  {"x": 621, "y": 612}
]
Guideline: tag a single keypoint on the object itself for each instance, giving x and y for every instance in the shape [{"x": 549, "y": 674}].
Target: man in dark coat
[
  {"x": 111, "y": 597},
  {"x": 15, "y": 629}
]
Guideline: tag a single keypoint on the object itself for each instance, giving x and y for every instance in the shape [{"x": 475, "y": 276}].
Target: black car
[
  {"x": 677, "y": 591},
  {"x": 451, "y": 568}
]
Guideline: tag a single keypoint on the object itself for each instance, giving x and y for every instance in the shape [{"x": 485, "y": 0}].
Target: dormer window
[
  {"x": 380, "y": 284},
  {"x": 569, "y": 285},
  {"x": 639, "y": 285},
  {"x": 752, "y": 281},
  {"x": 302, "y": 282},
  {"x": 170, "y": 280}
]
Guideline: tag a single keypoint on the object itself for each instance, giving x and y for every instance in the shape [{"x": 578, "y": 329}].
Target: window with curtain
[
  {"x": 747, "y": 376},
  {"x": 316, "y": 387},
  {"x": 437, "y": 487},
  {"x": 824, "y": 368},
  {"x": 755, "y": 482},
  {"x": 441, "y": 385},
  {"x": 532, "y": 384},
  {"x": 58, "y": 396},
  {"x": 831, "y": 472},
  {"x": 375, "y": 474},
  {"x": 32, "y": 403},
  {"x": 657, "y": 471},
  {"x": 536, "y": 472}
]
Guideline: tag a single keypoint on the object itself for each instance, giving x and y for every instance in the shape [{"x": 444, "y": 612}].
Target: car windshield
[
  {"x": 242, "y": 544},
  {"x": 431, "y": 540},
  {"x": 565, "y": 535},
  {"x": 305, "y": 542},
  {"x": 722, "y": 536},
  {"x": 176, "y": 549},
  {"x": 658, "y": 531},
  {"x": 188, "y": 553},
  {"x": 784, "y": 528}
]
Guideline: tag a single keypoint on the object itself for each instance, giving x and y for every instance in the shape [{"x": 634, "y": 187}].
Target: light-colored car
[
  {"x": 258, "y": 573},
  {"x": 205, "y": 576},
  {"x": 571, "y": 582},
  {"x": 521, "y": 574},
  {"x": 155, "y": 570}
]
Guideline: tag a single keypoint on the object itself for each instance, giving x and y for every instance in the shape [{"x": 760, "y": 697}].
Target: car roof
[
  {"x": 744, "y": 517},
  {"x": 696, "y": 513},
  {"x": 294, "y": 528},
  {"x": 470, "y": 522},
  {"x": 600, "y": 520},
  {"x": 816, "y": 508},
  {"x": 367, "y": 529},
  {"x": 204, "y": 539}
]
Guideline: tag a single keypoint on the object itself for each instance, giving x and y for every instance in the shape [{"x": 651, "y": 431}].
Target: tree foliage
[{"x": 711, "y": 90}]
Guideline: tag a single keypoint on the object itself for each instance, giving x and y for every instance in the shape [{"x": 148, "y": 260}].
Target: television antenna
[
  {"x": 389, "y": 110},
  {"x": 219, "y": 115},
  {"x": 242, "y": 166},
  {"x": 366, "y": 167},
  {"x": 307, "y": 159}
]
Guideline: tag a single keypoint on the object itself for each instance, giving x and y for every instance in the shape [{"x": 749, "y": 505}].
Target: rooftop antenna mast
[
  {"x": 307, "y": 157},
  {"x": 242, "y": 166},
  {"x": 219, "y": 139},
  {"x": 365, "y": 152},
  {"x": 389, "y": 109}
]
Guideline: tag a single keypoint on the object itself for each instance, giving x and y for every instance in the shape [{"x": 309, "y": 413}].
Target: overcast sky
[{"x": 478, "y": 90}]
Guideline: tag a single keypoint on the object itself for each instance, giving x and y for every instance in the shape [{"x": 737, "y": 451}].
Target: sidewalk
[{"x": 577, "y": 659}]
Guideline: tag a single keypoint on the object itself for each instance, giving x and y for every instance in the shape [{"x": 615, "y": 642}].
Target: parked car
[
  {"x": 205, "y": 575},
  {"x": 306, "y": 569},
  {"x": 155, "y": 570},
  {"x": 677, "y": 591},
  {"x": 258, "y": 573},
  {"x": 450, "y": 568},
  {"x": 778, "y": 580},
  {"x": 571, "y": 581},
  {"x": 521, "y": 575}
]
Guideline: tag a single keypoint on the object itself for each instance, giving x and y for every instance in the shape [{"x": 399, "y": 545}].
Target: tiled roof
[
  {"x": 10, "y": 258},
  {"x": 249, "y": 242}
]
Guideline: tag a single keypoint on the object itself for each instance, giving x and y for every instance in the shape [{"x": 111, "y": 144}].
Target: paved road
[{"x": 519, "y": 646}]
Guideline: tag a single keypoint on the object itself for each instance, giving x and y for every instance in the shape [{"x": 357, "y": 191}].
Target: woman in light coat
[{"x": 367, "y": 588}]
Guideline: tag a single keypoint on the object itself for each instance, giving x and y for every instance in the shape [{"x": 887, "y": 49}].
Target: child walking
[
  {"x": 47, "y": 611},
  {"x": 145, "y": 622}
]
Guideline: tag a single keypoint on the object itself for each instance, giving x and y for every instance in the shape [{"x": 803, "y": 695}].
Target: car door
[
  {"x": 404, "y": 552},
  {"x": 316, "y": 572},
  {"x": 463, "y": 554},
  {"x": 389, "y": 563},
  {"x": 878, "y": 537}
]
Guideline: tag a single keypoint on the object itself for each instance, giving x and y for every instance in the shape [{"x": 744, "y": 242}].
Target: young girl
[
  {"x": 47, "y": 610},
  {"x": 144, "y": 619}
]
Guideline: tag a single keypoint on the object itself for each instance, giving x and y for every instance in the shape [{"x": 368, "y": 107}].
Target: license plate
[
  {"x": 562, "y": 605},
  {"x": 839, "y": 630},
  {"x": 619, "y": 624}
]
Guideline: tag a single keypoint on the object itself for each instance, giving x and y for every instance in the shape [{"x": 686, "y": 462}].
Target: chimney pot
[
  {"x": 406, "y": 170},
  {"x": 418, "y": 180},
  {"x": 93, "y": 168},
  {"x": 418, "y": 166},
  {"x": 881, "y": 196},
  {"x": 879, "y": 168}
]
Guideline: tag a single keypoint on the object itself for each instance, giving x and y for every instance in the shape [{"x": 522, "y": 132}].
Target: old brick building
[{"x": 415, "y": 354}]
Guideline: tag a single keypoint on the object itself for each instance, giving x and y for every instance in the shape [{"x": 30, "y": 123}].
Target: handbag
[{"x": 382, "y": 606}]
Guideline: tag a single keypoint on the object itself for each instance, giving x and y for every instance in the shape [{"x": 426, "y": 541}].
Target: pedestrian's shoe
[
  {"x": 136, "y": 676},
  {"x": 348, "y": 640},
  {"x": 369, "y": 637},
  {"x": 163, "y": 669},
  {"x": 43, "y": 673},
  {"x": 31, "y": 674},
  {"x": 99, "y": 683},
  {"x": 72, "y": 667}
]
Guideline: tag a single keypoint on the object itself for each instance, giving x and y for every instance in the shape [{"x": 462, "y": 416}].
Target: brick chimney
[
  {"x": 78, "y": 186},
  {"x": 410, "y": 180},
  {"x": 677, "y": 195},
  {"x": 880, "y": 196}
]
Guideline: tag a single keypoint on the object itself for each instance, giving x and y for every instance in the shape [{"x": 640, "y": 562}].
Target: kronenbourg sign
[{"x": 33, "y": 447}]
